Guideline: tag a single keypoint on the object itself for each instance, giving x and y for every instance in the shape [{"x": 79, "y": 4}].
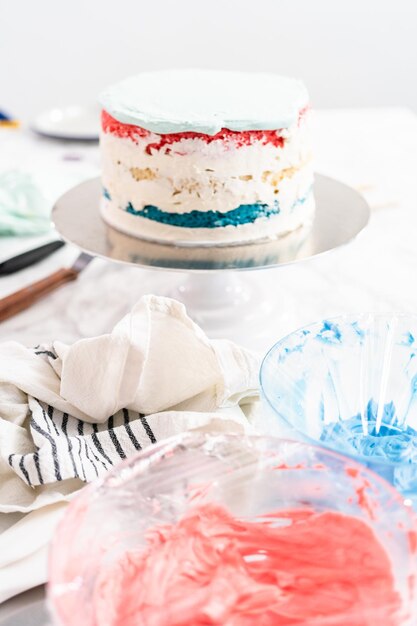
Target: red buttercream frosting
[{"x": 324, "y": 569}]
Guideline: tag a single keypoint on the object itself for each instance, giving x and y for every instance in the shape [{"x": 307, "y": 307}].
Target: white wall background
[{"x": 349, "y": 52}]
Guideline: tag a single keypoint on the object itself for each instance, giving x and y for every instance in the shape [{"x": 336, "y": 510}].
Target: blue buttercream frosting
[
  {"x": 391, "y": 451},
  {"x": 394, "y": 442}
]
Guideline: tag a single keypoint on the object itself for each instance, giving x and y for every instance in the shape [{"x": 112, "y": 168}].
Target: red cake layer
[
  {"x": 110, "y": 125},
  {"x": 239, "y": 138}
]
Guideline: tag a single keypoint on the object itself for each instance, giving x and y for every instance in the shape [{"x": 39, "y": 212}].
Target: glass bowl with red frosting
[{"x": 214, "y": 529}]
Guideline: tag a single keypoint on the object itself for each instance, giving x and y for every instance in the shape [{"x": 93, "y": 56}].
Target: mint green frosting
[
  {"x": 23, "y": 208},
  {"x": 205, "y": 101}
]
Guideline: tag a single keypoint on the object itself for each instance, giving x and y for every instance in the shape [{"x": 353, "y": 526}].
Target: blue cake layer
[{"x": 243, "y": 214}]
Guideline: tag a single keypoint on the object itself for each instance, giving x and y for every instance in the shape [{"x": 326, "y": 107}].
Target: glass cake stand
[{"x": 212, "y": 287}]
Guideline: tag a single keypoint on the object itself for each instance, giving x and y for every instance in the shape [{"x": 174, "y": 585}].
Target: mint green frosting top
[{"x": 205, "y": 101}]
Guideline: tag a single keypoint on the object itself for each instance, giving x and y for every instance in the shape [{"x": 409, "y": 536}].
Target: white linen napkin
[{"x": 69, "y": 413}]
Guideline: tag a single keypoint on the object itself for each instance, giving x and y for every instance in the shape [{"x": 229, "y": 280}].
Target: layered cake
[{"x": 194, "y": 156}]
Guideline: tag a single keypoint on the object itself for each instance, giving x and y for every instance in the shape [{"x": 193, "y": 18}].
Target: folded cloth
[
  {"x": 23, "y": 209},
  {"x": 69, "y": 413}
]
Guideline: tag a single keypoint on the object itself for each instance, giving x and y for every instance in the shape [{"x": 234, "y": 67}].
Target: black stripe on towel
[
  {"x": 130, "y": 432},
  {"x": 44, "y": 417},
  {"x": 47, "y": 436},
  {"x": 51, "y": 417},
  {"x": 24, "y": 470},
  {"x": 114, "y": 439},
  {"x": 65, "y": 431},
  {"x": 81, "y": 458},
  {"x": 48, "y": 353},
  {"x": 98, "y": 445},
  {"x": 147, "y": 428},
  {"x": 89, "y": 457},
  {"x": 98, "y": 460},
  {"x": 38, "y": 467},
  {"x": 21, "y": 465}
]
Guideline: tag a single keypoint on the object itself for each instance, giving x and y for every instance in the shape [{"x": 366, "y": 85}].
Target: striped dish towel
[
  {"x": 69, "y": 413},
  {"x": 65, "y": 447}
]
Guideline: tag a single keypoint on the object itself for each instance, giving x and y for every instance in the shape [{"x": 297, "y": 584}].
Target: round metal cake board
[{"x": 215, "y": 297}]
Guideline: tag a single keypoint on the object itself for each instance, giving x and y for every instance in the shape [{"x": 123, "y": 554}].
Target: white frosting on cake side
[
  {"x": 205, "y": 101},
  {"x": 192, "y": 175}
]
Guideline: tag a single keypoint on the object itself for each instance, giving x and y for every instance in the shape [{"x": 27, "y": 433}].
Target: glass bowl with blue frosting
[{"x": 350, "y": 384}]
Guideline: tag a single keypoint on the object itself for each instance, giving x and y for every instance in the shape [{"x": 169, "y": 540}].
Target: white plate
[{"x": 71, "y": 122}]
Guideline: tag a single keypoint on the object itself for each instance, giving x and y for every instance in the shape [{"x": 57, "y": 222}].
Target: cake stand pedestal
[
  {"x": 224, "y": 305},
  {"x": 214, "y": 290}
]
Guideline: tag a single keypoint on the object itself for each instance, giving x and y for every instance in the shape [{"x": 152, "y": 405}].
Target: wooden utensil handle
[{"x": 24, "y": 298}]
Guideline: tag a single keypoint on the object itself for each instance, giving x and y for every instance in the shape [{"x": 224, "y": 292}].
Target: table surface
[{"x": 373, "y": 150}]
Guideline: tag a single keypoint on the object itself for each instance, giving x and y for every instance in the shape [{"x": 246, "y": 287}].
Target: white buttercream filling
[{"x": 193, "y": 175}]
